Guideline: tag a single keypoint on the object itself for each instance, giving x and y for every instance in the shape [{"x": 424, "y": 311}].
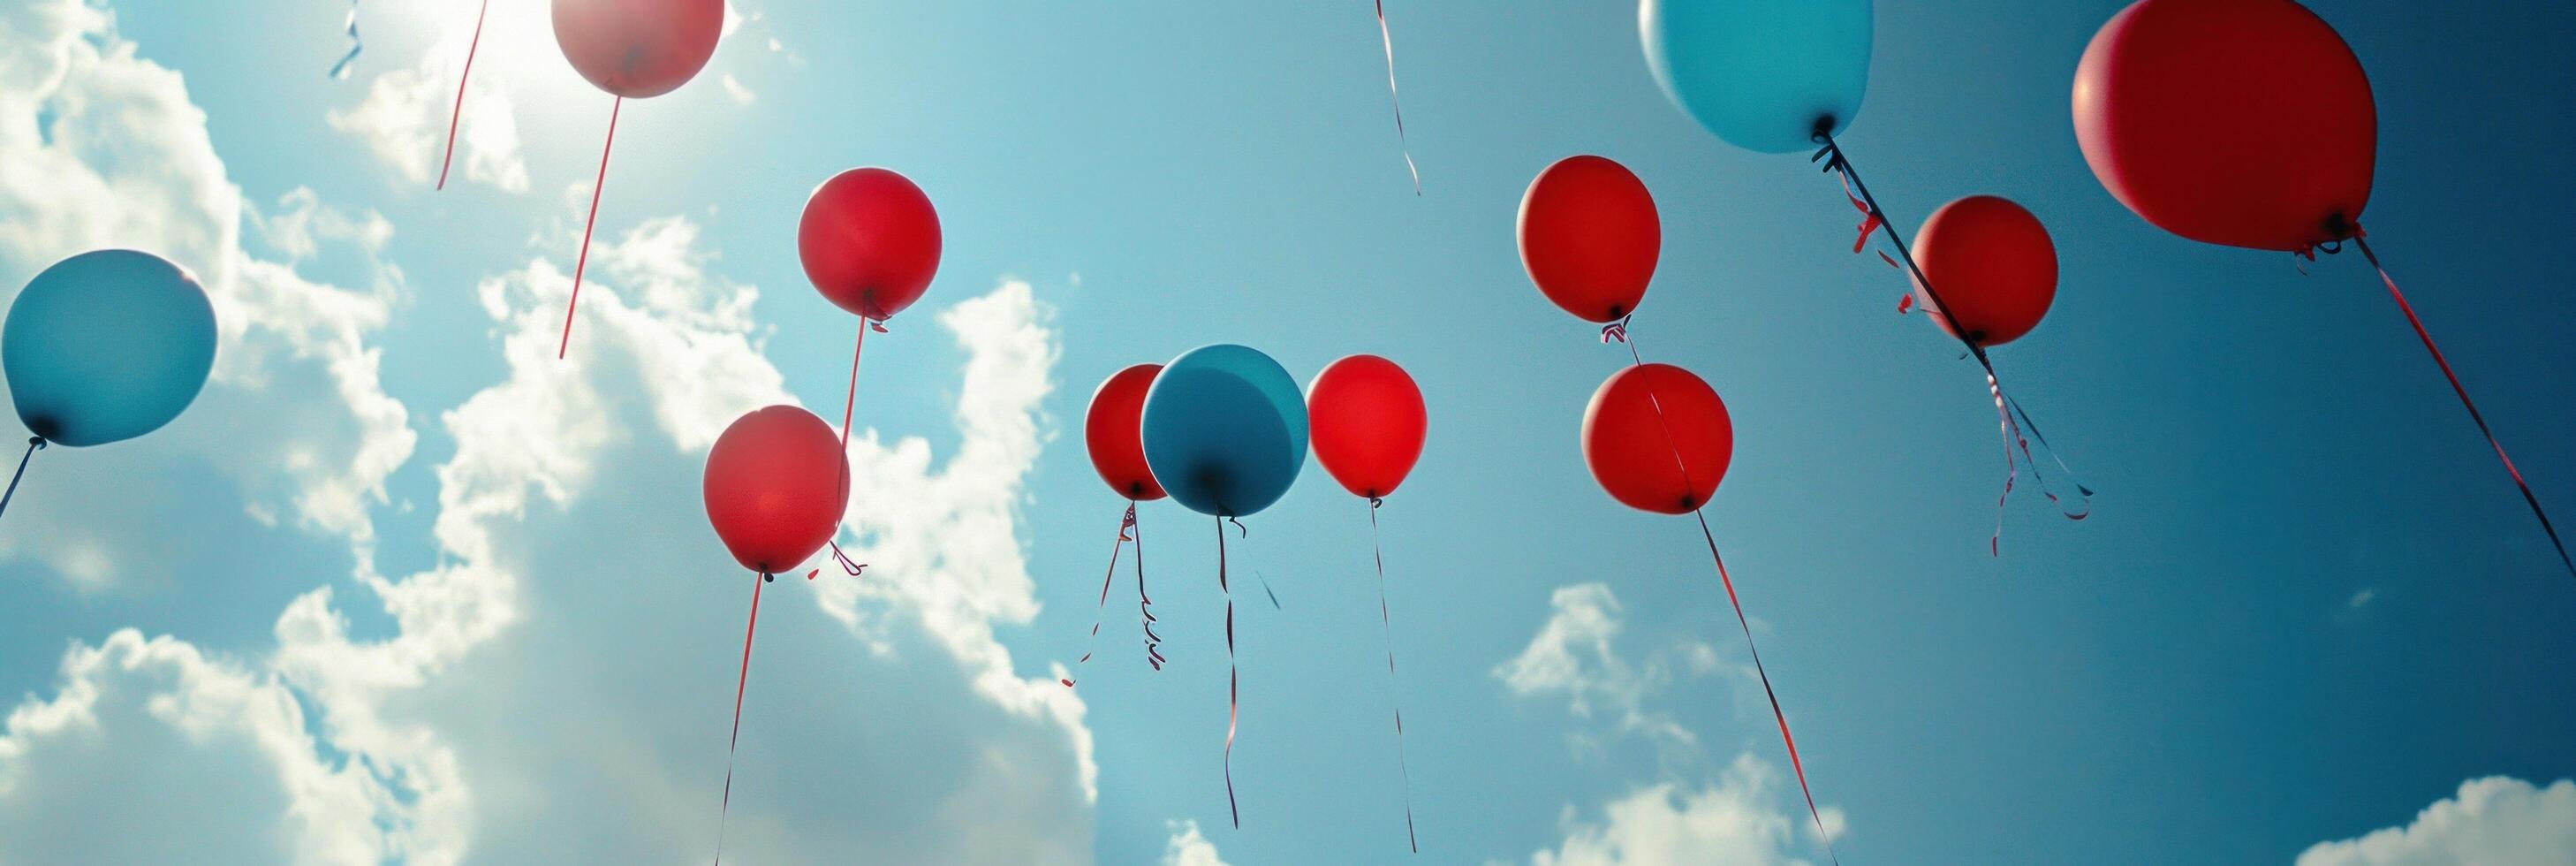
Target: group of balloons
[
  {"x": 777, "y": 481},
  {"x": 2239, "y": 122},
  {"x": 1223, "y": 430},
  {"x": 2245, "y": 123}
]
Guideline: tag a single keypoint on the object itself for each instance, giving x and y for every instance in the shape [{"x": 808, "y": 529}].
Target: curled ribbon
[{"x": 341, "y": 69}]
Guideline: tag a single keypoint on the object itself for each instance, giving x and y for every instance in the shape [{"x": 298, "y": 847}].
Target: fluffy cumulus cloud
[
  {"x": 557, "y": 686},
  {"x": 1573, "y": 656},
  {"x": 2492, "y": 820},
  {"x": 1741, "y": 817},
  {"x": 1733, "y": 821},
  {"x": 406, "y": 112},
  {"x": 99, "y": 148},
  {"x": 1189, "y": 848}
]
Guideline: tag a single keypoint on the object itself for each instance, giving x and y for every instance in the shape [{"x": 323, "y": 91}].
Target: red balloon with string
[
  {"x": 776, "y": 486},
  {"x": 869, "y": 241},
  {"x": 1658, "y": 438},
  {"x": 2248, "y": 123},
  {"x": 631, "y": 49},
  {"x": 1112, "y": 430},
  {"x": 1366, "y": 419},
  {"x": 1996, "y": 267},
  {"x": 1590, "y": 237}
]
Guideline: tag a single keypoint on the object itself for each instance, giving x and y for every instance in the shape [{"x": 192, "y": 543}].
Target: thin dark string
[
  {"x": 725, "y": 810},
  {"x": 1233, "y": 676},
  {"x": 1126, "y": 523},
  {"x": 1776, "y": 714},
  {"x": 583, "y": 263},
  {"x": 34, "y": 444},
  {"x": 2426, "y": 337},
  {"x": 458, "y": 112},
  {"x": 1395, "y": 684},
  {"x": 1388, "y": 39}
]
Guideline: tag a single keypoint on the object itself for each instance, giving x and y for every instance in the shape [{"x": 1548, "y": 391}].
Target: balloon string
[
  {"x": 1395, "y": 684},
  {"x": 1144, "y": 602},
  {"x": 851, "y": 402},
  {"x": 583, "y": 263},
  {"x": 2528, "y": 498},
  {"x": 1233, "y": 677},
  {"x": 1776, "y": 715},
  {"x": 458, "y": 112},
  {"x": 34, "y": 444},
  {"x": 1124, "y": 524},
  {"x": 341, "y": 69},
  {"x": 725, "y": 810},
  {"x": 1389, "y": 41},
  {"x": 1875, "y": 218}
]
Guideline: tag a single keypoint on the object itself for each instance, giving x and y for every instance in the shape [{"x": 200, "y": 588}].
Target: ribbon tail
[
  {"x": 583, "y": 262},
  {"x": 1388, "y": 39},
  {"x": 340, "y": 69},
  {"x": 1102, "y": 611},
  {"x": 1777, "y": 715},
  {"x": 1145, "y": 602},
  {"x": 2426, "y": 337},
  {"x": 725, "y": 807},
  {"x": 1395, "y": 684},
  {"x": 1233, "y": 678},
  {"x": 458, "y": 112}
]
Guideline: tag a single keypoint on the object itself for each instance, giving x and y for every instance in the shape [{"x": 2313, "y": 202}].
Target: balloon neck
[
  {"x": 2338, "y": 227},
  {"x": 1823, "y": 131},
  {"x": 44, "y": 427},
  {"x": 766, "y": 577}
]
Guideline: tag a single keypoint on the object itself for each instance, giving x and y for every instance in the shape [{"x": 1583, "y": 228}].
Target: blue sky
[{"x": 402, "y": 587}]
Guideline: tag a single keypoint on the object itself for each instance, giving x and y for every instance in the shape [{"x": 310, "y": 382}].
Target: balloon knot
[
  {"x": 1616, "y": 332},
  {"x": 36, "y": 442},
  {"x": 1239, "y": 529},
  {"x": 1375, "y": 502},
  {"x": 877, "y": 325},
  {"x": 1127, "y": 525},
  {"x": 766, "y": 577}
]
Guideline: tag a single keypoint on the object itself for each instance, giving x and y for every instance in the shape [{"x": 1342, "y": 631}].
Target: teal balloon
[
  {"x": 1764, "y": 75},
  {"x": 107, "y": 345},
  {"x": 1225, "y": 430}
]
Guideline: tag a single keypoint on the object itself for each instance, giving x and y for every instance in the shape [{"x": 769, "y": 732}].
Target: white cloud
[
  {"x": 578, "y": 631},
  {"x": 1731, "y": 822},
  {"x": 405, "y": 115},
  {"x": 2495, "y": 820},
  {"x": 1188, "y": 848},
  {"x": 733, "y": 87},
  {"x": 1573, "y": 655},
  {"x": 1742, "y": 818},
  {"x": 99, "y": 148}
]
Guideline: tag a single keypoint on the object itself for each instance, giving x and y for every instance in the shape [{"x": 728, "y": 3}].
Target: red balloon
[
  {"x": 1589, "y": 237},
  {"x": 776, "y": 485},
  {"x": 870, "y": 241},
  {"x": 2240, "y": 122},
  {"x": 1658, "y": 439},
  {"x": 1112, "y": 428},
  {"x": 638, "y": 48},
  {"x": 1365, "y": 416},
  {"x": 1993, "y": 264}
]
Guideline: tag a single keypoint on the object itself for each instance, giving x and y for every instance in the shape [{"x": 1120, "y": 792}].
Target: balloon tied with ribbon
[{"x": 1368, "y": 423}]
